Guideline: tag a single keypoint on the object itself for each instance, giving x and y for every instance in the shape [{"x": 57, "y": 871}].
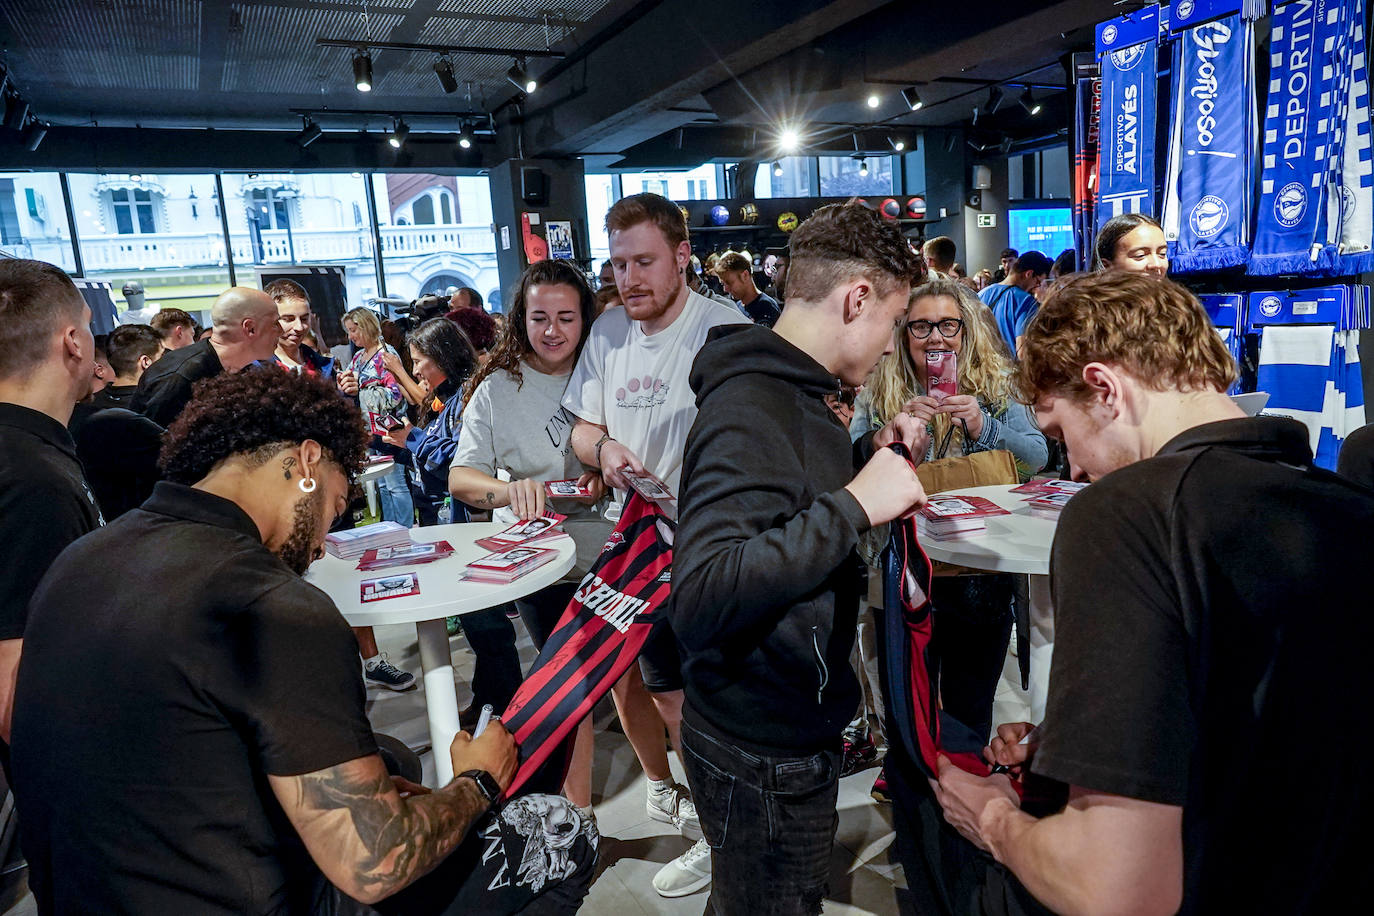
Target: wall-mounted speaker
[
  {"x": 975, "y": 200},
  {"x": 534, "y": 186},
  {"x": 982, "y": 177}
]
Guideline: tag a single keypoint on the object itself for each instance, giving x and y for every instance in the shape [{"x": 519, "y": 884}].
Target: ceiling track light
[
  {"x": 789, "y": 140},
  {"x": 398, "y": 134},
  {"x": 863, "y": 165},
  {"x": 1029, "y": 103},
  {"x": 994, "y": 99},
  {"x": 465, "y": 136},
  {"x": 362, "y": 71},
  {"x": 975, "y": 115},
  {"x": 912, "y": 98},
  {"x": 310, "y": 132},
  {"x": 874, "y": 100},
  {"x": 34, "y": 134},
  {"x": 897, "y": 143},
  {"x": 777, "y": 168},
  {"x": 520, "y": 79},
  {"x": 443, "y": 68}
]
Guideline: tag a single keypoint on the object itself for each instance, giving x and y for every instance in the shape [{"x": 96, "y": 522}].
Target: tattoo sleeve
[{"x": 386, "y": 842}]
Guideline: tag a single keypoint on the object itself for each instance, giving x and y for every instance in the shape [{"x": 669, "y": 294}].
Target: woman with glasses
[{"x": 976, "y": 611}]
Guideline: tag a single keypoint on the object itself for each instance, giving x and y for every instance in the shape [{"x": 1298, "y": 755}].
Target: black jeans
[
  {"x": 497, "y": 675},
  {"x": 770, "y": 822},
  {"x": 973, "y": 617}
]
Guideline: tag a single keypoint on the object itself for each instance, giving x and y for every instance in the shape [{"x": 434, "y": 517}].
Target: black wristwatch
[{"x": 486, "y": 784}]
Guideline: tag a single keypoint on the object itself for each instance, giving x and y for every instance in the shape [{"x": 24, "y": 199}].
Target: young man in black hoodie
[{"x": 766, "y": 580}]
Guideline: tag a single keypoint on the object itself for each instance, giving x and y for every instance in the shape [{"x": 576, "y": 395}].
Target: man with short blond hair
[
  {"x": 736, "y": 275},
  {"x": 1208, "y": 630}
]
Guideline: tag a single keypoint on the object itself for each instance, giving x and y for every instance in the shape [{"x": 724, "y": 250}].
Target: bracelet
[{"x": 606, "y": 437}]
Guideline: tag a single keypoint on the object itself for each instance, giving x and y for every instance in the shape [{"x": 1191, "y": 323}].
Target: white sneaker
[
  {"x": 686, "y": 874},
  {"x": 674, "y": 805}
]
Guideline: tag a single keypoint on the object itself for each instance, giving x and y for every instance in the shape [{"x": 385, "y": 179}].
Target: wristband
[{"x": 600, "y": 442}]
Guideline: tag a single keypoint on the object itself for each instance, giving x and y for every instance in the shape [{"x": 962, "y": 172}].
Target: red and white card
[
  {"x": 566, "y": 489},
  {"x": 411, "y": 554},
  {"x": 1045, "y": 485},
  {"x": 941, "y": 508},
  {"x": 521, "y": 532},
  {"x": 399, "y": 585},
  {"x": 508, "y": 565}
]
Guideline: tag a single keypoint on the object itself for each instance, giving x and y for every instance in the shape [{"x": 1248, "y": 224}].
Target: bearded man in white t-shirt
[{"x": 634, "y": 408}]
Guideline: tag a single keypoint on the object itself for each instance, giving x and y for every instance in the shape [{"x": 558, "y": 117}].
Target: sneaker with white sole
[
  {"x": 687, "y": 874},
  {"x": 674, "y": 805},
  {"x": 384, "y": 674}
]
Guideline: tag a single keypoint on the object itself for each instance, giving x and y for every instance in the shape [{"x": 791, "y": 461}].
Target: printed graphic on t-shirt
[
  {"x": 559, "y": 429},
  {"x": 642, "y": 393}
]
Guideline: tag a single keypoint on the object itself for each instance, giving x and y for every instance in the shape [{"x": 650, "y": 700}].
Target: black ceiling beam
[{"x": 365, "y": 45}]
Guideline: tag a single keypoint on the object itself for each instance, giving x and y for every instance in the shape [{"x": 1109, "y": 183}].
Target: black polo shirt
[
  {"x": 1212, "y": 630},
  {"x": 114, "y": 396},
  {"x": 119, "y": 450},
  {"x": 44, "y": 506},
  {"x": 165, "y": 387},
  {"x": 763, "y": 309},
  {"x": 172, "y": 663}
]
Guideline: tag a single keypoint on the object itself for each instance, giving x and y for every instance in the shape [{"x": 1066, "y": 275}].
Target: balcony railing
[{"x": 170, "y": 250}]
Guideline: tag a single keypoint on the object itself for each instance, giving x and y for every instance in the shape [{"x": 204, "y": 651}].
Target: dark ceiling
[{"x": 643, "y": 84}]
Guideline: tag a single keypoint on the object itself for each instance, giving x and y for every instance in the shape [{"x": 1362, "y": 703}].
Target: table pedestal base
[
  {"x": 1041, "y": 645},
  {"x": 441, "y": 698}
]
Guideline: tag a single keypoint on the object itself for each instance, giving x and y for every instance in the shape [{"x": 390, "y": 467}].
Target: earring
[{"x": 307, "y": 484}]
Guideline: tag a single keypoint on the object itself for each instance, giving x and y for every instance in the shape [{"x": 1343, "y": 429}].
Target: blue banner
[
  {"x": 1126, "y": 153},
  {"x": 1305, "y": 104},
  {"x": 1207, "y": 194}
]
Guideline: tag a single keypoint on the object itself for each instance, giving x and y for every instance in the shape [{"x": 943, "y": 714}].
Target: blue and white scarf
[
  {"x": 1355, "y": 253},
  {"x": 1207, "y": 191},
  {"x": 1305, "y": 111},
  {"x": 1126, "y": 150}
]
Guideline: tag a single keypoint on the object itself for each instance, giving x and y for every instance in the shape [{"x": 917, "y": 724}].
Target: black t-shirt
[
  {"x": 165, "y": 387},
  {"x": 763, "y": 310},
  {"x": 119, "y": 450},
  {"x": 44, "y": 506},
  {"x": 171, "y": 664},
  {"x": 1212, "y": 628}
]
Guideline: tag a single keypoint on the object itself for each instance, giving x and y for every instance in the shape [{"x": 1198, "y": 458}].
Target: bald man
[{"x": 244, "y": 331}]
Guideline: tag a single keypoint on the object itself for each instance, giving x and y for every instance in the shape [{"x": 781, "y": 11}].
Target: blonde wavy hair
[
  {"x": 985, "y": 369},
  {"x": 1153, "y": 329},
  {"x": 367, "y": 322}
]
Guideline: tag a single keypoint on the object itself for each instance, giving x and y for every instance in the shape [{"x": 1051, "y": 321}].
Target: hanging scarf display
[
  {"x": 1296, "y": 229},
  {"x": 1356, "y": 247},
  {"x": 1127, "y": 48},
  {"x": 599, "y": 636},
  {"x": 1207, "y": 191},
  {"x": 1087, "y": 105}
]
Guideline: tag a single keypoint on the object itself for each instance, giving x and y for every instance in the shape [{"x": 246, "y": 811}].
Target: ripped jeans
[{"x": 770, "y": 822}]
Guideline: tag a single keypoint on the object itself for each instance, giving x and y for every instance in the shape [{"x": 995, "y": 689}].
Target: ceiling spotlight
[
  {"x": 17, "y": 113},
  {"x": 863, "y": 168},
  {"x": 1005, "y": 146},
  {"x": 310, "y": 132},
  {"x": 520, "y": 79},
  {"x": 994, "y": 98},
  {"x": 465, "y": 137},
  {"x": 34, "y": 134},
  {"x": 1029, "y": 103},
  {"x": 789, "y": 140},
  {"x": 777, "y": 169},
  {"x": 873, "y": 100},
  {"x": 362, "y": 71},
  {"x": 912, "y": 98},
  {"x": 897, "y": 144},
  {"x": 975, "y": 115},
  {"x": 137, "y": 178},
  {"x": 398, "y": 134},
  {"x": 443, "y": 68}
]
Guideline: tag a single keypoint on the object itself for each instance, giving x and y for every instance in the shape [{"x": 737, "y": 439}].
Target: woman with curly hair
[
  {"x": 944, "y": 315},
  {"x": 515, "y": 422}
]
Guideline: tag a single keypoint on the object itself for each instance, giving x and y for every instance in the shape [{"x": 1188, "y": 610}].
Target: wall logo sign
[
  {"x": 1109, "y": 35},
  {"x": 1209, "y": 216},
  {"x": 1129, "y": 58},
  {"x": 1290, "y": 204},
  {"x": 1270, "y": 306},
  {"x": 1184, "y": 10}
]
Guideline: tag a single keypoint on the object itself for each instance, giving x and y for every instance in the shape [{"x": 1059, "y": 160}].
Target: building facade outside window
[{"x": 33, "y": 220}]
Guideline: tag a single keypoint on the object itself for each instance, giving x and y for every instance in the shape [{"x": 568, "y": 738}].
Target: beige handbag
[{"x": 980, "y": 469}]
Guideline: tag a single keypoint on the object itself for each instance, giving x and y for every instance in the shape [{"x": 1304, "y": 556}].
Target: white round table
[
  {"x": 442, "y": 594},
  {"x": 1016, "y": 543},
  {"x": 368, "y": 481}
]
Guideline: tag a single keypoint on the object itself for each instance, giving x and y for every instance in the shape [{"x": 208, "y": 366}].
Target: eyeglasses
[{"x": 949, "y": 327}]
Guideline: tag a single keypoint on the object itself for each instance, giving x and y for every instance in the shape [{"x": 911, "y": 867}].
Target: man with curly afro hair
[{"x": 196, "y": 739}]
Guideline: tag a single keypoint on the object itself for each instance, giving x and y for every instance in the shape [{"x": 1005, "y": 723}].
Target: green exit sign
[{"x": 987, "y": 220}]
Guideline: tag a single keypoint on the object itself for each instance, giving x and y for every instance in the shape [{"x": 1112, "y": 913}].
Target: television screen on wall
[{"x": 1048, "y": 230}]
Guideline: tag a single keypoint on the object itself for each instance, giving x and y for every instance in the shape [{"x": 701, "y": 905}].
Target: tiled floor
[{"x": 633, "y": 847}]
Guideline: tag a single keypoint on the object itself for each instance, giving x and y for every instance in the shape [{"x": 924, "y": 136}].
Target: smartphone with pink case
[{"x": 942, "y": 373}]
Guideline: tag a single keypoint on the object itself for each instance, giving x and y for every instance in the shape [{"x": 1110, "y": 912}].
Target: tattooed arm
[
  {"x": 367, "y": 838},
  {"x": 477, "y": 489}
]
